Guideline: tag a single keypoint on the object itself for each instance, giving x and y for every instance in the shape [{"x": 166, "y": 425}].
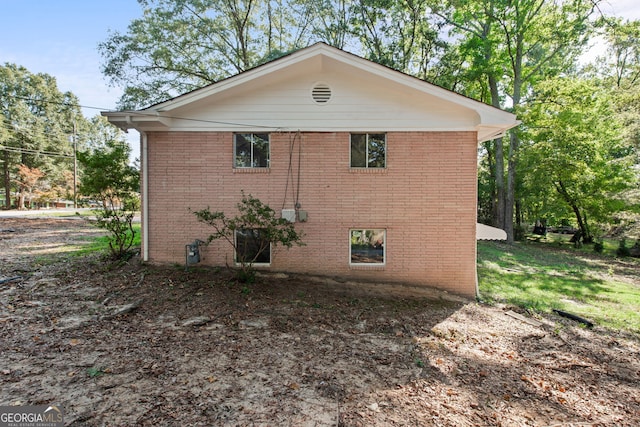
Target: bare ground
[{"x": 134, "y": 344}]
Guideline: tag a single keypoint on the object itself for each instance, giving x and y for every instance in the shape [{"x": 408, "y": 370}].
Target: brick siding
[{"x": 425, "y": 199}]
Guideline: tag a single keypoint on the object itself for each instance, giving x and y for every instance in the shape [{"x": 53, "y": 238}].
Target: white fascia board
[
  {"x": 320, "y": 129},
  {"x": 486, "y": 112},
  {"x": 489, "y": 132},
  {"x": 138, "y": 119},
  {"x": 492, "y": 121},
  {"x": 238, "y": 79}
]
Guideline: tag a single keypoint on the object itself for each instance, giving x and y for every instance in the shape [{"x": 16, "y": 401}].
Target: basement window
[
  {"x": 251, "y": 150},
  {"x": 367, "y": 246},
  {"x": 368, "y": 150},
  {"x": 252, "y": 247}
]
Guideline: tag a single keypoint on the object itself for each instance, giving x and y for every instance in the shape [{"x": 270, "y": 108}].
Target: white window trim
[
  {"x": 235, "y": 166},
  {"x": 360, "y": 265},
  {"x": 366, "y": 162}
]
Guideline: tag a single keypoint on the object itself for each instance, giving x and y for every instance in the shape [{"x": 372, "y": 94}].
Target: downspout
[
  {"x": 475, "y": 246},
  {"x": 475, "y": 234},
  {"x": 145, "y": 196}
]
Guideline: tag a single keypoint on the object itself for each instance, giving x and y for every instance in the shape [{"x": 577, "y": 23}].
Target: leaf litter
[{"x": 141, "y": 345}]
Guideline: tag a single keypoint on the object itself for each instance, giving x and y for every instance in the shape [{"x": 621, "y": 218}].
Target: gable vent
[{"x": 321, "y": 93}]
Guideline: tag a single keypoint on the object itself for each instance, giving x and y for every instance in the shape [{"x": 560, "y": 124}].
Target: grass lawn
[
  {"x": 543, "y": 276},
  {"x": 101, "y": 244}
]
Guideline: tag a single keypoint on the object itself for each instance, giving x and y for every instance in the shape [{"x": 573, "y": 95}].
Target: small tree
[
  {"x": 28, "y": 179},
  {"x": 110, "y": 180},
  {"x": 259, "y": 224}
]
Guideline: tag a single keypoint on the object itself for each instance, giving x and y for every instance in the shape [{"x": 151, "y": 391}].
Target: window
[
  {"x": 252, "y": 246},
  {"x": 368, "y": 150},
  {"x": 251, "y": 150},
  {"x": 367, "y": 246}
]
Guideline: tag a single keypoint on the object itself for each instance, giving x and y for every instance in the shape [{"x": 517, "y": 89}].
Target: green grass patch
[
  {"x": 540, "y": 277},
  {"x": 101, "y": 243},
  {"x": 610, "y": 245},
  {"x": 89, "y": 245}
]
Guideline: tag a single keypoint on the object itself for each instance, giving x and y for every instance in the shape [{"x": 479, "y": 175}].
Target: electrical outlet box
[{"x": 289, "y": 214}]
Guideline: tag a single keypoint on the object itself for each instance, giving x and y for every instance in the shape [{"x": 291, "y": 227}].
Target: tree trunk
[
  {"x": 491, "y": 164},
  {"x": 511, "y": 187},
  {"x": 500, "y": 192},
  {"x": 20, "y": 201},
  {"x": 582, "y": 220},
  {"x": 518, "y": 235},
  {"x": 587, "y": 236},
  {"x": 498, "y": 221},
  {"x": 514, "y": 141}
]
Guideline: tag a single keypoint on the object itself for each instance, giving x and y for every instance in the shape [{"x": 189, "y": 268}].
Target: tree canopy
[
  {"x": 577, "y": 161},
  {"x": 37, "y": 122},
  {"x": 518, "y": 55},
  {"x": 178, "y": 46},
  {"x": 41, "y": 129}
]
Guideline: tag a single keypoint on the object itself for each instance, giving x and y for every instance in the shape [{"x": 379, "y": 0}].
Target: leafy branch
[{"x": 260, "y": 228}]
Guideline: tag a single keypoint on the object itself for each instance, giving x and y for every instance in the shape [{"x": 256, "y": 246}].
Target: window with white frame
[
  {"x": 251, "y": 150},
  {"x": 252, "y": 247},
  {"x": 367, "y": 246},
  {"x": 368, "y": 150}
]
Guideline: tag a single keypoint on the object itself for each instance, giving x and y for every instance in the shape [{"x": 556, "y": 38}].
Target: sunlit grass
[
  {"x": 44, "y": 254},
  {"x": 542, "y": 278},
  {"x": 101, "y": 243}
]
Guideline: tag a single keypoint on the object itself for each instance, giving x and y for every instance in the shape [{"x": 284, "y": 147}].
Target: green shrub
[
  {"x": 623, "y": 250},
  {"x": 260, "y": 223},
  {"x": 598, "y": 247}
]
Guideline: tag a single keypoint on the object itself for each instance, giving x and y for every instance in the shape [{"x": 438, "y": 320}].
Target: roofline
[
  {"x": 495, "y": 126},
  {"x": 228, "y": 78},
  {"x": 308, "y": 51}
]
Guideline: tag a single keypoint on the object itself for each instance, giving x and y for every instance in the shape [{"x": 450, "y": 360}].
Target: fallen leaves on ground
[{"x": 136, "y": 344}]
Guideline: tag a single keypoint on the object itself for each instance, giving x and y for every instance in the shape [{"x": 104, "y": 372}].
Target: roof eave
[
  {"x": 139, "y": 120},
  {"x": 490, "y": 132}
]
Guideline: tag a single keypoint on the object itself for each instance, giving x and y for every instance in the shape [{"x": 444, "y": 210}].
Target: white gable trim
[{"x": 491, "y": 122}]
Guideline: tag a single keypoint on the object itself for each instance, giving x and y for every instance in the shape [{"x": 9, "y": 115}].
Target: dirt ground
[{"x": 142, "y": 345}]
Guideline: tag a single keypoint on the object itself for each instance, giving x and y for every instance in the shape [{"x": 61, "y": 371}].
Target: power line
[
  {"x": 66, "y": 104},
  {"x": 20, "y": 150},
  {"x": 33, "y": 133},
  {"x": 149, "y": 114}
]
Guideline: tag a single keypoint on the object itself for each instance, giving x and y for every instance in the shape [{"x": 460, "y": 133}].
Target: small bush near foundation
[{"x": 263, "y": 231}]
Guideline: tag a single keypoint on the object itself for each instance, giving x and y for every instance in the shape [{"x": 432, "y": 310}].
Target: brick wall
[{"x": 425, "y": 199}]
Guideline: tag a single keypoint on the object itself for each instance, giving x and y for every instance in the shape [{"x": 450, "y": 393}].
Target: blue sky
[{"x": 60, "y": 38}]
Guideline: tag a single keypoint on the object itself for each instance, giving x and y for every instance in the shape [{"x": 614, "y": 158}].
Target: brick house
[{"x": 378, "y": 168}]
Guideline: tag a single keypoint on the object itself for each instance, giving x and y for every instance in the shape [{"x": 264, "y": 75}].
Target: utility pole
[
  {"x": 74, "y": 142},
  {"x": 7, "y": 177}
]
